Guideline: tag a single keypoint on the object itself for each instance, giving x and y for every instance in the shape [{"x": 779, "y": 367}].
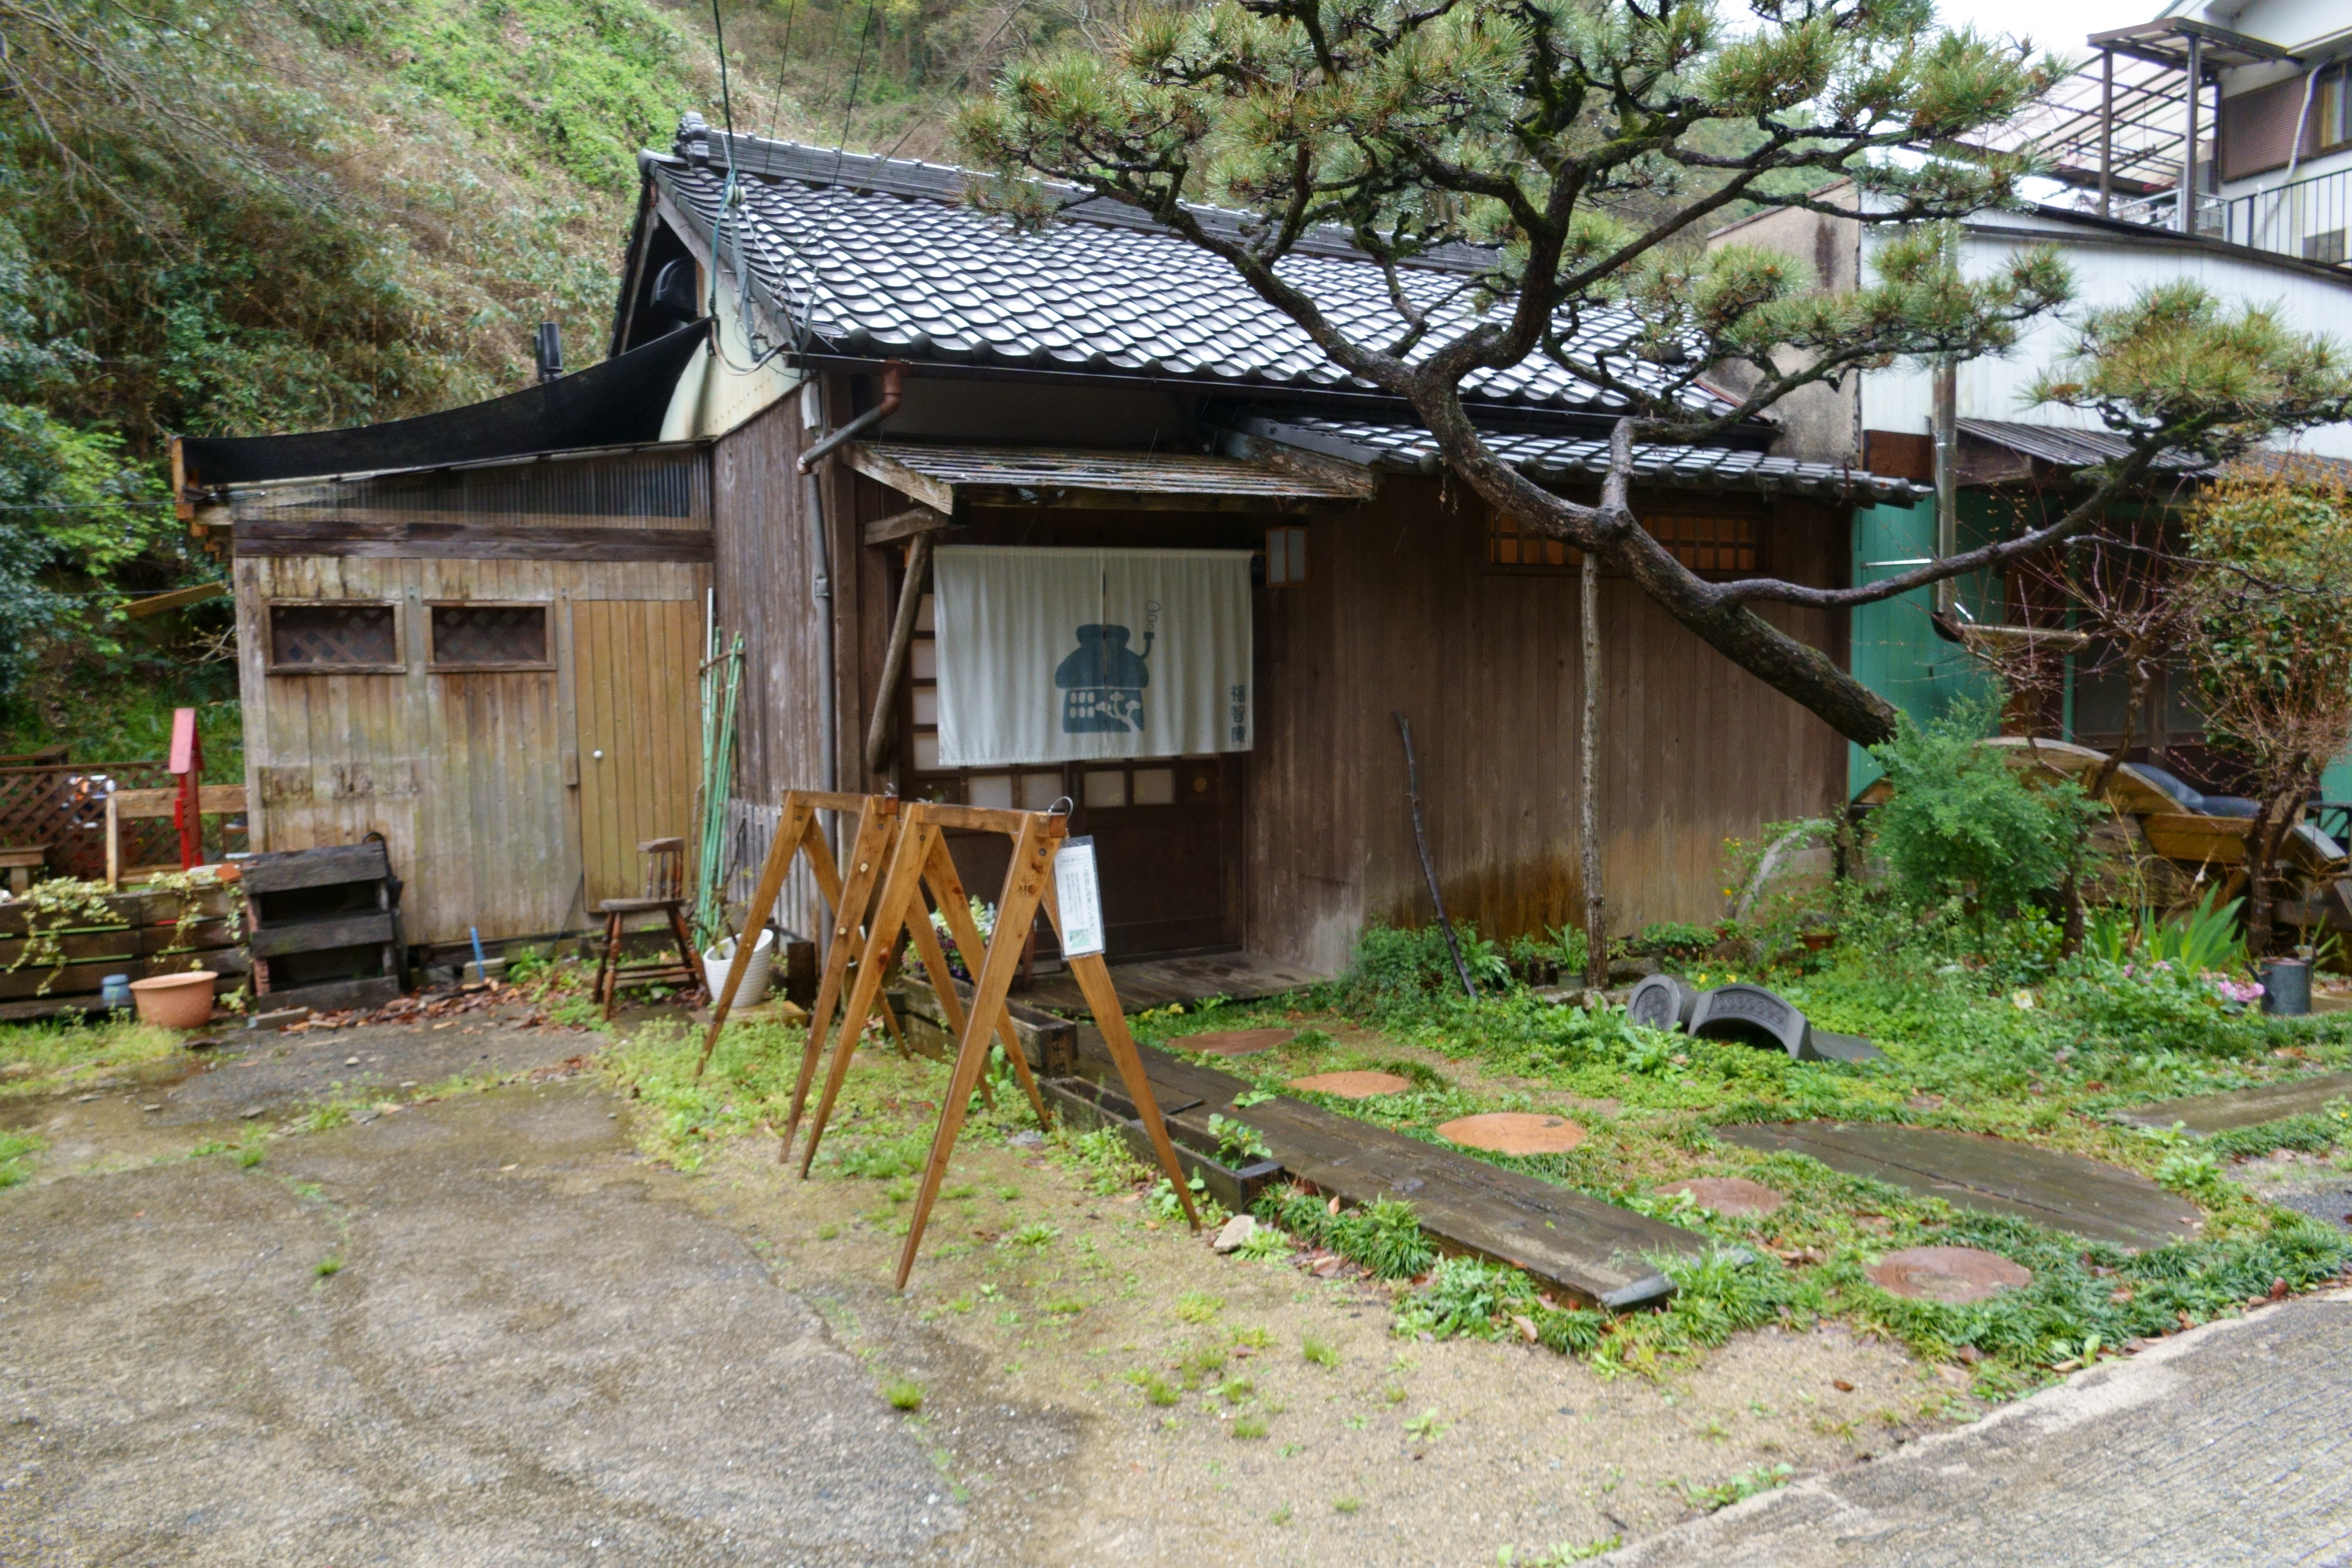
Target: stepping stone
[
  {"x": 1734, "y": 1196},
  {"x": 1234, "y": 1041},
  {"x": 1514, "y": 1133},
  {"x": 1357, "y": 1085},
  {"x": 1952, "y": 1275},
  {"x": 1993, "y": 1175},
  {"x": 2243, "y": 1107}
]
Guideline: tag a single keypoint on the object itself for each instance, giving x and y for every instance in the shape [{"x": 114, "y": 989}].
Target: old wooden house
[
  {"x": 1073, "y": 420},
  {"x": 470, "y": 633},
  {"x": 1085, "y": 520}
]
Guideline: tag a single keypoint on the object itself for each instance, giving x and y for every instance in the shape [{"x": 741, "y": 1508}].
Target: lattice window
[
  {"x": 332, "y": 636},
  {"x": 1507, "y": 546},
  {"x": 1709, "y": 544},
  {"x": 477, "y": 636}
]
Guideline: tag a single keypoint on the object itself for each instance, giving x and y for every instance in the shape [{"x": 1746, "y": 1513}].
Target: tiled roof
[
  {"x": 2066, "y": 448},
  {"x": 886, "y": 256},
  {"x": 1554, "y": 459}
]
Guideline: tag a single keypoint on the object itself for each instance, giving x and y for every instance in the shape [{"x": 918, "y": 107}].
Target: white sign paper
[{"x": 1081, "y": 897}]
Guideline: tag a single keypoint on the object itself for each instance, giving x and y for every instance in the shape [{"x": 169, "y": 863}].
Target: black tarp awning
[{"x": 620, "y": 403}]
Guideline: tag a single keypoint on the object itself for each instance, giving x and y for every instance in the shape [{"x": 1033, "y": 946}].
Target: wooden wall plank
[{"x": 1402, "y": 612}]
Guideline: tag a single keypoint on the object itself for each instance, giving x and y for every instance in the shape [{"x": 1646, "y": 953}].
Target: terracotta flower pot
[{"x": 175, "y": 1001}]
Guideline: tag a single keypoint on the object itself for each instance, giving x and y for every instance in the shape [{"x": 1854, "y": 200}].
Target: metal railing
[
  {"x": 2307, "y": 219},
  {"x": 2310, "y": 220}
]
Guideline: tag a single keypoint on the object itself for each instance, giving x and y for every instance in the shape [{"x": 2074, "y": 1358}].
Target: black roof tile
[{"x": 886, "y": 256}]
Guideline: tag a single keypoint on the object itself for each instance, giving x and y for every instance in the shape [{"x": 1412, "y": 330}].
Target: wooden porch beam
[
  {"x": 916, "y": 522},
  {"x": 921, "y": 487}
]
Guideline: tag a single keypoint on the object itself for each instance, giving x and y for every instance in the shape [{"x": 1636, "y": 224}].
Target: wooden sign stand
[
  {"x": 1028, "y": 883},
  {"x": 919, "y": 861},
  {"x": 797, "y": 833}
]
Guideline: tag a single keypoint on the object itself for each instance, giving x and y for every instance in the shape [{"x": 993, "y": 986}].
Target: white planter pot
[{"x": 716, "y": 960}]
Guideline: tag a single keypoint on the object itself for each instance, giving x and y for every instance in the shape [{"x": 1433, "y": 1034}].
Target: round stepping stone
[
  {"x": 1732, "y": 1196},
  {"x": 1359, "y": 1085},
  {"x": 1952, "y": 1275},
  {"x": 1234, "y": 1041},
  {"x": 1514, "y": 1133}
]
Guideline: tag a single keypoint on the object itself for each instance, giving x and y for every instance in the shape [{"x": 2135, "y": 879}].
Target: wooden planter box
[
  {"x": 1083, "y": 1102},
  {"x": 145, "y": 939}
]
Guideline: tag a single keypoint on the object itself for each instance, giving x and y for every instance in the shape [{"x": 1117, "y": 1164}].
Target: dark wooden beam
[
  {"x": 472, "y": 541},
  {"x": 907, "y": 525}
]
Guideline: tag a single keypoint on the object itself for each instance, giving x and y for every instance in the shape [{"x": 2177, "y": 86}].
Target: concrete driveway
[
  {"x": 2228, "y": 1444},
  {"x": 475, "y": 1332}
]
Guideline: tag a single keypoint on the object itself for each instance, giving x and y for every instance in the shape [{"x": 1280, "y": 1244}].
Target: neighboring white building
[{"x": 2271, "y": 123}]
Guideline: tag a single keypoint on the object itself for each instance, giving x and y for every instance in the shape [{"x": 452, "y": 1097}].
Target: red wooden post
[{"x": 188, "y": 763}]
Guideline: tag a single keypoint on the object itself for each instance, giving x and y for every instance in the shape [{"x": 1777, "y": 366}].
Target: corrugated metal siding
[{"x": 669, "y": 487}]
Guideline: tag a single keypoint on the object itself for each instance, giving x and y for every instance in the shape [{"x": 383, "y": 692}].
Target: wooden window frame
[
  {"x": 1653, "y": 518},
  {"x": 271, "y": 665},
  {"x": 435, "y": 666}
]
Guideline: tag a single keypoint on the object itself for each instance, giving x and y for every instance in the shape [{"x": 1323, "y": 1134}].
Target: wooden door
[
  {"x": 1166, "y": 834},
  {"x": 637, "y": 697}
]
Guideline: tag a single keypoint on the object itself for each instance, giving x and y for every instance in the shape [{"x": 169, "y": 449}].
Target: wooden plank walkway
[
  {"x": 1243, "y": 977},
  {"x": 1591, "y": 1251},
  {"x": 2234, "y": 1108},
  {"x": 1992, "y": 1176}
]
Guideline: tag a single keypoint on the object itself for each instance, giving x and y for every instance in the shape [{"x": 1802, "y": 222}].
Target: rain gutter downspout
[
  {"x": 894, "y": 373},
  {"x": 820, "y": 584}
]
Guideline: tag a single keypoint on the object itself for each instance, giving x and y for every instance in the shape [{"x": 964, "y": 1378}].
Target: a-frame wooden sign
[
  {"x": 1028, "y": 884},
  {"x": 872, "y": 848},
  {"x": 798, "y": 832},
  {"x": 921, "y": 861}
]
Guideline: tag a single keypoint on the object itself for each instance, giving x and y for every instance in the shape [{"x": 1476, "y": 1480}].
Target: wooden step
[
  {"x": 1993, "y": 1175},
  {"x": 2234, "y": 1108},
  {"x": 1592, "y": 1251}
]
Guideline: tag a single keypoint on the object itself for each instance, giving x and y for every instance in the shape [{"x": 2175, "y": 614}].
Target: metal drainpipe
[
  {"x": 1946, "y": 423},
  {"x": 894, "y": 373}
]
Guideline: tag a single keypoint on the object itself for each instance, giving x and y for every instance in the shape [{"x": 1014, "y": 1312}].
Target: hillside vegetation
[
  {"x": 242, "y": 216},
  {"x": 227, "y": 217}
]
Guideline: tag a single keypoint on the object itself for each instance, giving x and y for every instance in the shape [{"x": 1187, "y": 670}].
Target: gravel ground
[{"x": 485, "y": 1330}]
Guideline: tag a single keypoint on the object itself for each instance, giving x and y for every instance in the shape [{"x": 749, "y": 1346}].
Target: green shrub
[
  {"x": 1399, "y": 966},
  {"x": 1468, "y": 1297},
  {"x": 1962, "y": 823}
]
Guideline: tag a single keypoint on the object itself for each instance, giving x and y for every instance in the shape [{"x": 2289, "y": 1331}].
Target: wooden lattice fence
[{"x": 63, "y": 805}]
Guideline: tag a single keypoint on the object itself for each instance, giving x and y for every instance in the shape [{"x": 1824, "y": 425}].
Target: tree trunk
[
  {"x": 2263, "y": 842},
  {"x": 1596, "y": 924}
]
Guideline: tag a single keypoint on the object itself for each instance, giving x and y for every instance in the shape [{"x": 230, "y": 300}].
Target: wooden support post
[
  {"x": 877, "y": 824},
  {"x": 954, "y": 905},
  {"x": 796, "y": 829},
  {"x": 1025, "y": 882},
  {"x": 900, "y": 889},
  {"x": 1028, "y": 884},
  {"x": 1093, "y": 976}
]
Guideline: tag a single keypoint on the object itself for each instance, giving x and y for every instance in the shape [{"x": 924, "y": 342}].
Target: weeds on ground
[{"x": 43, "y": 1057}]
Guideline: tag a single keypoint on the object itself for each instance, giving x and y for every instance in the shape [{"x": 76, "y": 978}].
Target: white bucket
[{"x": 715, "y": 961}]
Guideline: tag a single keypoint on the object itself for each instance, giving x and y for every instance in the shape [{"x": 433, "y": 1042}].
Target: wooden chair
[{"x": 666, "y": 894}]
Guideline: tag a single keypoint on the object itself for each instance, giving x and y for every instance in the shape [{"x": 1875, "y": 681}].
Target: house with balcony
[{"x": 2212, "y": 143}]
